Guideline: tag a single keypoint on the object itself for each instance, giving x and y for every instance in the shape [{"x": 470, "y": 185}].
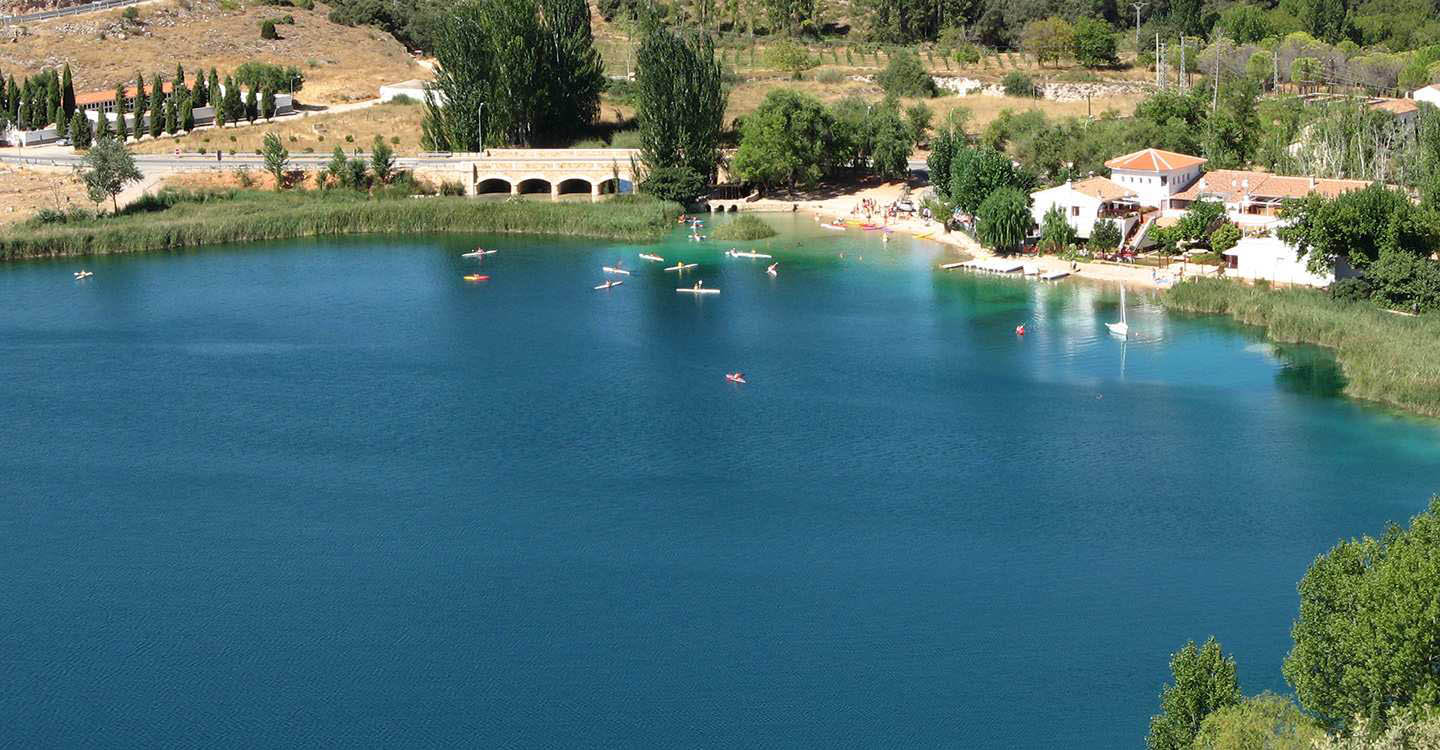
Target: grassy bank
[
  {"x": 1392, "y": 359},
  {"x": 189, "y": 220}
]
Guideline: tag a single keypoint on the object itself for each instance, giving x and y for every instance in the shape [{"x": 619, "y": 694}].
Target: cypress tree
[
  {"x": 67, "y": 93},
  {"x": 212, "y": 90},
  {"x": 102, "y": 127},
  {"x": 267, "y": 103},
  {"x": 14, "y": 97},
  {"x": 157, "y": 106},
  {"x": 197, "y": 92},
  {"x": 80, "y": 133},
  {"x": 22, "y": 116},
  {"x": 121, "y": 128},
  {"x": 187, "y": 116},
  {"x": 141, "y": 102},
  {"x": 179, "y": 77},
  {"x": 170, "y": 123},
  {"x": 252, "y": 107},
  {"x": 53, "y": 99},
  {"x": 4, "y": 97},
  {"x": 234, "y": 107}
]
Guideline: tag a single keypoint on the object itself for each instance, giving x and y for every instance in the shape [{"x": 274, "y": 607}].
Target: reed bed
[
  {"x": 744, "y": 228},
  {"x": 180, "y": 221},
  {"x": 1388, "y": 358}
]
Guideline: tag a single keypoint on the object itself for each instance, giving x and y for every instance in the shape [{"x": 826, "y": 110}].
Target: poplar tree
[
  {"x": 67, "y": 93},
  {"x": 140, "y": 103},
  {"x": 121, "y": 128},
  {"x": 157, "y": 106},
  {"x": 679, "y": 144}
]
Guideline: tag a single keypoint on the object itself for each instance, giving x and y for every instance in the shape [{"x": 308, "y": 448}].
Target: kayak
[
  {"x": 476, "y": 277},
  {"x": 701, "y": 290},
  {"x": 838, "y": 228},
  {"x": 682, "y": 266},
  {"x": 609, "y": 284},
  {"x": 747, "y": 254},
  {"x": 479, "y": 253},
  {"x": 735, "y": 377},
  {"x": 651, "y": 256},
  {"x": 612, "y": 269},
  {"x": 83, "y": 275}
]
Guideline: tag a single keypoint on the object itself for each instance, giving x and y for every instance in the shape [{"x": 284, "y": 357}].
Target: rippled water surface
[{"x": 327, "y": 494}]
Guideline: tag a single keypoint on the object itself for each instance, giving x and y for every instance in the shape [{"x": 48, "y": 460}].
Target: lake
[{"x": 325, "y": 493}]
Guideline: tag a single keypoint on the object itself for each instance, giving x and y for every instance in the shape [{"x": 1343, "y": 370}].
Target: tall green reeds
[
  {"x": 1388, "y": 358},
  {"x": 171, "y": 222}
]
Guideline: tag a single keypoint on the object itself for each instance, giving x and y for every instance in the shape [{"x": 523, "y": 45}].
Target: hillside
[{"x": 341, "y": 63}]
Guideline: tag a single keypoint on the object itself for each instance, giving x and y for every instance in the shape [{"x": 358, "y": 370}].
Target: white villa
[
  {"x": 1154, "y": 187},
  {"x": 1087, "y": 201},
  {"x": 1429, "y": 94}
]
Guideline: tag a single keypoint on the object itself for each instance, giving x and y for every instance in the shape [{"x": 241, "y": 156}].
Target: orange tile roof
[
  {"x": 1232, "y": 185},
  {"x": 1154, "y": 160},
  {"x": 100, "y": 97},
  {"x": 1103, "y": 188}
]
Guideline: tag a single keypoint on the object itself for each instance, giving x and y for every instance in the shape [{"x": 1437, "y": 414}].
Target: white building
[
  {"x": 1155, "y": 175},
  {"x": 413, "y": 89},
  {"x": 1429, "y": 94},
  {"x": 1086, "y": 201},
  {"x": 1270, "y": 259}
]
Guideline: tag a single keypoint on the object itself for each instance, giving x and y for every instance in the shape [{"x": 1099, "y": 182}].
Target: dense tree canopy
[
  {"x": 1003, "y": 220},
  {"x": 676, "y": 138},
  {"x": 1204, "y": 683},
  {"x": 785, "y": 141},
  {"x": 1358, "y": 227}
]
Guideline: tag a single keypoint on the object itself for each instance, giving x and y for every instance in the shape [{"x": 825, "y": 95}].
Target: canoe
[
  {"x": 832, "y": 226},
  {"x": 649, "y": 256},
  {"x": 682, "y": 267},
  {"x": 476, "y": 277},
  {"x": 611, "y": 269},
  {"x": 479, "y": 253},
  {"x": 609, "y": 284},
  {"x": 747, "y": 254},
  {"x": 701, "y": 290}
]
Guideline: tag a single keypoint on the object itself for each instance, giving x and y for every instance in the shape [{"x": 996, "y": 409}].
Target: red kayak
[
  {"x": 476, "y": 277},
  {"x": 735, "y": 377}
]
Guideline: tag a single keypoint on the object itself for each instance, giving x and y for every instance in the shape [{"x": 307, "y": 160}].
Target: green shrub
[
  {"x": 267, "y": 30},
  {"x": 744, "y": 228},
  {"x": 1016, "y": 83},
  {"x": 967, "y": 54},
  {"x": 830, "y": 76},
  {"x": 905, "y": 75}
]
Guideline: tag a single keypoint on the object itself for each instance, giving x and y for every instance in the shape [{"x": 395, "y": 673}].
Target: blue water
[{"x": 326, "y": 494}]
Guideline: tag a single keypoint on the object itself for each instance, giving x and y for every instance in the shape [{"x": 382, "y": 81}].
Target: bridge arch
[
  {"x": 493, "y": 186},
  {"x": 533, "y": 185},
  {"x": 573, "y": 186},
  {"x": 608, "y": 186}
]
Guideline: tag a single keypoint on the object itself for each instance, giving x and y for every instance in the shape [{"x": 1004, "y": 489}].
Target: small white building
[
  {"x": 1155, "y": 175},
  {"x": 1086, "y": 201},
  {"x": 413, "y": 89},
  {"x": 1429, "y": 94},
  {"x": 1270, "y": 259}
]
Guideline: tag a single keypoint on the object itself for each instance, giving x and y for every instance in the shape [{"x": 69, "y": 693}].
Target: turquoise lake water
[{"x": 324, "y": 493}]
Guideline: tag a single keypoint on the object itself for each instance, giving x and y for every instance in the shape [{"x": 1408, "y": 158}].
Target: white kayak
[
  {"x": 832, "y": 226},
  {"x": 771, "y": 269},
  {"x": 612, "y": 269},
  {"x": 747, "y": 254},
  {"x": 609, "y": 284},
  {"x": 479, "y": 253},
  {"x": 651, "y": 256},
  {"x": 697, "y": 290},
  {"x": 83, "y": 275},
  {"x": 682, "y": 266}
]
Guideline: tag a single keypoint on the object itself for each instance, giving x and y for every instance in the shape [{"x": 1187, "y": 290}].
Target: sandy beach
[{"x": 845, "y": 206}]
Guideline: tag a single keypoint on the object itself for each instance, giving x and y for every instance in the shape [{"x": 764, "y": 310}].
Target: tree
[
  {"x": 918, "y": 117},
  {"x": 893, "y": 141},
  {"x": 1245, "y": 23},
  {"x": 212, "y": 91},
  {"x": 80, "y": 133},
  {"x": 108, "y": 168},
  {"x": 1225, "y": 237},
  {"x": 179, "y": 78},
  {"x": 942, "y": 153},
  {"x": 1105, "y": 236},
  {"x": 975, "y": 173},
  {"x": 532, "y": 64},
  {"x": 102, "y": 127},
  {"x": 267, "y": 30},
  {"x": 1357, "y": 227},
  {"x": 1264, "y": 722},
  {"x": 68, "y": 94},
  {"x": 905, "y": 75},
  {"x": 141, "y": 102},
  {"x": 171, "y": 116},
  {"x": 1048, "y": 39},
  {"x": 267, "y": 104},
  {"x": 1195, "y": 223},
  {"x": 1204, "y": 683},
  {"x": 1018, "y": 84},
  {"x": 1056, "y": 234},
  {"x": 678, "y": 139},
  {"x": 1092, "y": 44},
  {"x": 122, "y": 130},
  {"x": 277, "y": 158},
  {"x": 1304, "y": 70},
  {"x": 337, "y": 166},
  {"x": 1406, "y": 730},
  {"x": 252, "y": 106},
  {"x": 157, "y": 108},
  {"x": 1366, "y": 641},
  {"x": 382, "y": 160},
  {"x": 789, "y": 56},
  {"x": 187, "y": 115},
  {"x": 785, "y": 140},
  {"x": 1003, "y": 220}
]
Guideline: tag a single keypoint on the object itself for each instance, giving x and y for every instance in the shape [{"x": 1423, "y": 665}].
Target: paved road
[
  {"x": 194, "y": 162},
  {"x": 72, "y": 10}
]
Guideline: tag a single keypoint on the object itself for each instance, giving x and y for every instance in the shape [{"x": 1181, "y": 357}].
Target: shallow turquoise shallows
[{"x": 327, "y": 494}]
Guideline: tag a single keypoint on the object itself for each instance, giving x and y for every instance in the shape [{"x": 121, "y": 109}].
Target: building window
[
  {"x": 1074, "y": 210},
  {"x": 1164, "y": 180}
]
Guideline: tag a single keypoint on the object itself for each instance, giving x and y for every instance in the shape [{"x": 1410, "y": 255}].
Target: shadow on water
[{"x": 1308, "y": 370}]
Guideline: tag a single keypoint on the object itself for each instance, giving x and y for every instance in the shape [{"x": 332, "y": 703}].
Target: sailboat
[{"x": 1121, "y": 329}]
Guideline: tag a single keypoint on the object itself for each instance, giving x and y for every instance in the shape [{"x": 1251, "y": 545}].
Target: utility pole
[
  {"x": 1159, "y": 61},
  {"x": 1215, "y": 97},
  {"x": 1137, "y": 7},
  {"x": 1184, "y": 73},
  {"x": 1275, "y": 62},
  {"x": 480, "y": 127}
]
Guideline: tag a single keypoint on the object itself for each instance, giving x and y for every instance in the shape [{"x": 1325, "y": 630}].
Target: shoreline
[{"x": 1137, "y": 277}]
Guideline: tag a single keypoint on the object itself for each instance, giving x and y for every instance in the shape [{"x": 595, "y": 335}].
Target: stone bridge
[{"x": 537, "y": 171}]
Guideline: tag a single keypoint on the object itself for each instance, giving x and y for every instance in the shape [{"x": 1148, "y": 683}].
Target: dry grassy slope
[
  {"x": 341, "y": 63},
  {"x": 24, "y": 191},
  {"x": 319, "y": 132}
]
